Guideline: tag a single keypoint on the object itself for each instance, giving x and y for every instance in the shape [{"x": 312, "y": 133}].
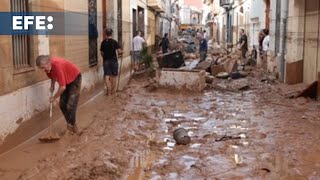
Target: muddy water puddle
[{"x": 207, "y": 120}]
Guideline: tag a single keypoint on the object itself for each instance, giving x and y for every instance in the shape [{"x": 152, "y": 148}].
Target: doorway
[
  {"x": 134, "y": 24},
  {"x": 141, "y": 22}
]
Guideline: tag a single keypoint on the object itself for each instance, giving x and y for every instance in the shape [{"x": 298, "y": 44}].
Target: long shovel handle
[
  {"x": 119, "y": 76},
  {"x": 50, "y": 116}
]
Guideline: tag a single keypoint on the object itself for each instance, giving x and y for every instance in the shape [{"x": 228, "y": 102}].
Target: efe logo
[{"x": 23, "y": 22}]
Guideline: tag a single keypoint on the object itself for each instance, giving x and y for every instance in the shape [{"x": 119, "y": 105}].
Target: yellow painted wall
[
  {"x": 74, "y": 48},
  {"x": 151, "y": 33},
  {"x": 126, "y": 62}
]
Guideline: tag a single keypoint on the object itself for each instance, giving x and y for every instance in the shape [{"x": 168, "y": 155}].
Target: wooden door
[
  {"x": 134, "y": 24},
  {"x": 104, "y": 18}
]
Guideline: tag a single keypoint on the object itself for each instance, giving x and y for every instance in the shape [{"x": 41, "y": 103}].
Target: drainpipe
[{"x": 284, "y": 26}]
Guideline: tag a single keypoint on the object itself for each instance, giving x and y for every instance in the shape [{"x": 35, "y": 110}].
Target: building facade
[
  {"x": 294, "y": 33},
  {"x": 295, "y": 40},
  {"x": 191, "y": 13},
  {"x": 24, "y": 89},
  {"x": 233, "y": 15},
  {"x": 211, "y": 10}
]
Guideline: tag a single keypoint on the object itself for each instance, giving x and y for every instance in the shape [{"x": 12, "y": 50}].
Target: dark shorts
[
  {"x": 110, "y": 68},
  {"x": 243, "y": 53},
  {"x": 203, "y": 56},
  {"x": 137, "y": 56}
]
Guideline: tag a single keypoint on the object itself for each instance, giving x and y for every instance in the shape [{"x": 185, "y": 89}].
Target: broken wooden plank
[
  {"x": 294, "y": 72},
  {"x": 231, "y": 65},
  {"x": 204, "y": 65},
  {"x": 216, "y": 69}
]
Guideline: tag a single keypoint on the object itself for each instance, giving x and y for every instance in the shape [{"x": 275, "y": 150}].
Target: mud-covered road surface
[{"x": 253, "y": 134}]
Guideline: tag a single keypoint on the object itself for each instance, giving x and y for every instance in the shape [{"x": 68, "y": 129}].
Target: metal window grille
[
  {"x": 20, "y": 43},
  {"x": 93, "y": 32}
]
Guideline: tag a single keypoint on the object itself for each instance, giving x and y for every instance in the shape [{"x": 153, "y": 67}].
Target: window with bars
[{"x": 20, "y": 43}]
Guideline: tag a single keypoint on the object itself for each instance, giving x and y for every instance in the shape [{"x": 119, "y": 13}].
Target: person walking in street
[
  {"x": 260, "y": 40},
  {"x": 68, "y": 76},
  {"x": 109, "y": 49},
  {"x": 243, "y": 45},
  {"x": 265, "y": 48},
  {"x": 138, "y": 43},
  {"x": 205, "y": 35},
  {"x": 165, "y": 44},
  {"x": 203, "y": 48},
  {"x": 199, "y": 34}
]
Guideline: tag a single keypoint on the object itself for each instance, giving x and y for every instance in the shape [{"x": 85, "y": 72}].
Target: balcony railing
[
  {"x": 226, "y": 3},
  {"x": 157, "y": 5}
]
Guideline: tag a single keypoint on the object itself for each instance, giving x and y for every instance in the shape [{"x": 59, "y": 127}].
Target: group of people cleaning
[
  {"x": 68, "y": 76},
  {"x": 263, "y": 47}
]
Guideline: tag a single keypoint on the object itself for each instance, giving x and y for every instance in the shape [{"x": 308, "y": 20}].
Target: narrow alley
[{"x": 159, "y": 90}]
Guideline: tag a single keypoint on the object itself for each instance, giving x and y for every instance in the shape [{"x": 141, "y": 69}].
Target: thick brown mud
[{"x": 253, "y": 134}]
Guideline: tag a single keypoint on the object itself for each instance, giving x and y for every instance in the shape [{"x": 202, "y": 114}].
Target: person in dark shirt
[
  {"x": 109, "y": 49},
  {"x": 203, "y": 48},
  {"x": 165, "y": 43},
  {"x": 243, "y": 42},
  {"x": 260, "y": 39}
]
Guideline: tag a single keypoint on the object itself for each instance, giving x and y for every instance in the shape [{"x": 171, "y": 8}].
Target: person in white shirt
[
  {"x": 265, "y": 43},
  {"x": 206, "y": 35},
  {"x": 138, "y": 43},
  {"x": 265, "y": 48}
]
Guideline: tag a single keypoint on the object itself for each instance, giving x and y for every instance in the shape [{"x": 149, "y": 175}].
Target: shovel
[
  {"x": 119, "y": 76},
  {"x": 50, "y": 137}
]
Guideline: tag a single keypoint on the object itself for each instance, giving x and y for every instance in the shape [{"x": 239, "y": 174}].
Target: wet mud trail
[{"x": 254, "y": 134}]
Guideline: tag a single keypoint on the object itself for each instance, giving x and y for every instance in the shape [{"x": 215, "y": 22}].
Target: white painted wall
[
  {"x": 185, "y": 14},
  {"x": 252, "y": 20},
  {"x": 257, "y": 20},
  {"x": 206, "y": 10},
  {"x": 272, "y": 32}
]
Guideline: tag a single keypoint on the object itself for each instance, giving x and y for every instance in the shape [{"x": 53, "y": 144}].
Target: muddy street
[
  {"x": 159, "y": 90},
  {"x": 254, "y": 134}
]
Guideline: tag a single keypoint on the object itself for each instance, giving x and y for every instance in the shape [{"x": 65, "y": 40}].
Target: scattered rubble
[
  {"x": 170, "y": 60},
  {"x": 193, "y": 80}
]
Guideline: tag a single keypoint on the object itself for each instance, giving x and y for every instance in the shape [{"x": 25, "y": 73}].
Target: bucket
[{"x": 181, "y": 136}]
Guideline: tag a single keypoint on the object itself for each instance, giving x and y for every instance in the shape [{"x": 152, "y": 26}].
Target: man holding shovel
[
  {"x": 68, "y": 76},
  {"x": 109, "y": 49}
]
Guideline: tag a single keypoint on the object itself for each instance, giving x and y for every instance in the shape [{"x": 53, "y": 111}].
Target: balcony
[
  {"x": 215, "y": 8},
  {"x": 157, "y": 5},
  {"x": 226, "y": 3}
]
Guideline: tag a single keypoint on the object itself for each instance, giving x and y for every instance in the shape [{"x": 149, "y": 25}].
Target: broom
[{"x": 50, "y": 137}]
